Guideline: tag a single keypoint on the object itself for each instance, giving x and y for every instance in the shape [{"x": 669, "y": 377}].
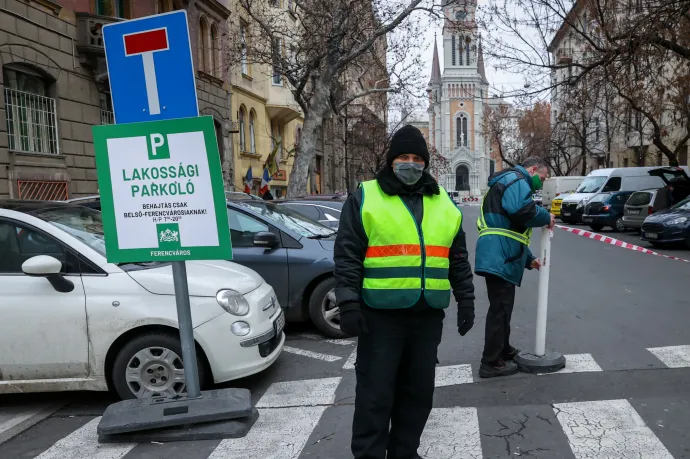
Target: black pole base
[{"x": 550, "y": 362}]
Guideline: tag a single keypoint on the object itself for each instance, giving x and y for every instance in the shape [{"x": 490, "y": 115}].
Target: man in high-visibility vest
[
  {"x": 507, "y": 215},
  {"x": 399, "y": 253}
]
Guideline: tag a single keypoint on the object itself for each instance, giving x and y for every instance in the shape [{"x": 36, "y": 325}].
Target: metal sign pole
[{"x": 184, "y": 317}]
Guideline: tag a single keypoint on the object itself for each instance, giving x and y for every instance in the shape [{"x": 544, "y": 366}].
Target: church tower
[{"x": 457, "y": 99}]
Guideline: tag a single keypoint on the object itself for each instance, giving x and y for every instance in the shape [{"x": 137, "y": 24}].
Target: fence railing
[
  {"x": 32, "y": 125},
  {"x": 107, "y": 117}
]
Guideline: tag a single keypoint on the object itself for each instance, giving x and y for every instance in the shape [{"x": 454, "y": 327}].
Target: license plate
[
  {"x": 587, "y": 220},
  {"x": 279, "y": 323},
  {"x": 634, "y": 212},
  {"x": 651, "y": 236},
  {"x": 567, "y": 214}
]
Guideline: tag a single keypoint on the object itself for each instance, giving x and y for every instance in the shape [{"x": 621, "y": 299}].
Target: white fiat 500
[{"x": 69, "y": 320}]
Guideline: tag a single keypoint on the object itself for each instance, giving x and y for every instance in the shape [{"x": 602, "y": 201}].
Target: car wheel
[
  {"x": 596, "y": 227},
  {"x": 618, "y": 225},
  {"x": 151, "y": 365},
  {"x": 323, "y": 311}
]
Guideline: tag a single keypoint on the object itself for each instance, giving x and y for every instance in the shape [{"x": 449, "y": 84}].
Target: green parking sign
[{"x": 162, "y": 194}]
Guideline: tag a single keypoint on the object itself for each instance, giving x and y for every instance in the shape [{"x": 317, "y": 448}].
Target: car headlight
[
  {"x": 678, "y": 221},
  {"x": 581, "y": 204},
  {"x": 233, "y": 302}
]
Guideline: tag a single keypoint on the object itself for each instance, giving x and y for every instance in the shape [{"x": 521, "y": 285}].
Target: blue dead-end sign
[{"x": 150, "y": 68}]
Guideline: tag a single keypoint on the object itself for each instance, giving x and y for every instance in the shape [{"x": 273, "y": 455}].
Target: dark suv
[{"x": 606, "y": 209}]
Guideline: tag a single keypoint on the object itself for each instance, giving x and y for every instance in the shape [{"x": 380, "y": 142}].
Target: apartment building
[{"x": 54, "y": 88}]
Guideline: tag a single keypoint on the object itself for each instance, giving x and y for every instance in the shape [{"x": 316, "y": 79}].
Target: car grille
[
  {"x": 569, "y": 206},
  {"x": 652, "y": 227},
  {"x": 555, "y": 205}
]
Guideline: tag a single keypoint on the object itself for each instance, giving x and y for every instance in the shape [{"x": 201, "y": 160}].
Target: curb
[{"x": 616, "y": 242}]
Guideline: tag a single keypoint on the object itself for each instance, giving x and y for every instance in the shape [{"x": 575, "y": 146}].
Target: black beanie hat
[{"x": 409, "y": 140}]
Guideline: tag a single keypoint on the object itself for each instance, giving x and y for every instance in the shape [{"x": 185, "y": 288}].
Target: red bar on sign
[{"x": 145, "y": 42}]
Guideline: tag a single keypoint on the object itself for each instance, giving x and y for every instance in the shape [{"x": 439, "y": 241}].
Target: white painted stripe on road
[
  {"x": 577, "y": 363},
  {"x": 453, "y": 374},
  {"x": 278, "y": 434},
  {"x": 309, "y": 392},
  {"x": 340, "y": 342},
  {"x": 313, "y": 355},
  {"x": 83, "y": 444},
  {"x": 350, "y": 363},
  {"x": 15, "y": 419},
  {"x": 672, "y": 356},
  {"x": 608, "y": 428},
  {"x": 451, "y": 433}
]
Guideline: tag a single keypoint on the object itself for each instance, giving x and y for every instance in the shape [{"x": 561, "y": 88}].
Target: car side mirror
[
  {"x": 48, "y": 267},
  {"x": 265, "y": 239}
]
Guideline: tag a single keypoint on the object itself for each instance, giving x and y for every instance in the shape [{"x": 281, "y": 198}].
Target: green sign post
[{"x": 162, "y": 193}]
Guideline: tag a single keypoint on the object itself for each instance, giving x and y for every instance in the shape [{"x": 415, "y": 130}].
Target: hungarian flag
[
  {"x": 264, "y": 181},
  {"x": 248, "y": 181}
]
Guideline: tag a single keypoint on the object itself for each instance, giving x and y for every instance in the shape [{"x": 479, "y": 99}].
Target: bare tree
[
  {"x": 330, "y": 55},
  {"x": 501, "y": 130}
]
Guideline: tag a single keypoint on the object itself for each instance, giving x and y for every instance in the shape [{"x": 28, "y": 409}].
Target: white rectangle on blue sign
[{"x": 150, "y": 68}]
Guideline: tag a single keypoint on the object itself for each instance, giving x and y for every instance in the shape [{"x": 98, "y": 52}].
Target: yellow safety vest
[
  {"x": 485, "y": 230},
  {"x": 403, "y": 260}
]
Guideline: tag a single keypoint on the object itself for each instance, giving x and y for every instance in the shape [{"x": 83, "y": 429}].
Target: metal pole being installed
[{"x": 184, "y": 317}]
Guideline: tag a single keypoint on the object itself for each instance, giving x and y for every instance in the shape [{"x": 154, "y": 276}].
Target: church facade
[{"x": 458, "y": 97}]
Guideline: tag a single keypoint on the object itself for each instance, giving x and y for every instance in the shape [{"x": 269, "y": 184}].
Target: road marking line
[
  {"x": 453, "y": 374},
  {"x": 309, "y": 392},
  {"x": 279, "y": 433},
  {"x": 83, "y": 444},
  {"x": 313, "y": 355},
  {"x": 608, "y": 428},
  {"x": 16, "y": 419},
  {"x": 339, "y": 342},
  {"x": 577, "y": 363},
  {"x": 452, "y": 433},
  {"x": 672, "y": 356},
  {"x": 350, "y": 363}
]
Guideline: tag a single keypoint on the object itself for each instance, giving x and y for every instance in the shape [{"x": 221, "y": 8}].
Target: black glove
[
  {"x": 352, "y": 321},
  {"x": 465, "y": 317}
]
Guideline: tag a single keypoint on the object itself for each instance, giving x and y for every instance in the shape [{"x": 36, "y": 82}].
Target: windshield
[
  {"x": 83, "y": 223},
  {"x": 289, "y": 218},
  {"x": 591, "y": 184},
  {"x": 684, "y": 204},
  {"x": 640, "y": 198},
  {"x": 601, "y": 197}
]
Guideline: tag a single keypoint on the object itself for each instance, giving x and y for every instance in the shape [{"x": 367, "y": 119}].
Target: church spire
[
  {"x": 480, "y": 63},
  {"x": 435, "y": 67}
]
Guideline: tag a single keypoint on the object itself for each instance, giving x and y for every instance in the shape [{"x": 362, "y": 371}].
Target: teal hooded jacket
[{"x": 508, "y": 205}]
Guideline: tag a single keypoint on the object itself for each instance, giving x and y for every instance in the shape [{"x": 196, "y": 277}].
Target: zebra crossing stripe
[
  {"x": 14, "y": 420},
  {"x": 280, "y": 432},
  {"x": 608, "y": 428},
  {"x": 313, "y": 355},
  {"x": 578, "y": 363},
  {"x": 453, "y": 374},
  {"x": 83, "y": 444},
  {"x": 350, "y": 363},
  {"x": 339, "y": 342},
  {"x": 452, "y": 433},
  {"x": 672, "y": 356}
]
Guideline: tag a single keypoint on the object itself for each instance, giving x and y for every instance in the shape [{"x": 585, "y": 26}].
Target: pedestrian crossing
[{"x": 296, "y": 422}]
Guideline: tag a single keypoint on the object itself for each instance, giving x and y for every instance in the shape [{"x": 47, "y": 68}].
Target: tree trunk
[{"x": 306, "y": 153}]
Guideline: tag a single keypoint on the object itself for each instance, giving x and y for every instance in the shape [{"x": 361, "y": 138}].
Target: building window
[
  {"x": 596, "y": 129},
  {"x": 452, "y": 47},
  {"x": 215, "y": 61},
  {"x": 461, "y": 128},
  {"x": 252, "y": 138},
  {"x": 243, "y": 139},
  {"x": 243, "y": 38},
  {"x": 625, "y": 162},
  {"x": 459, "y": 51},
  {"x": 277, "y": 51},
  {"x": 115, "y": 8},
  {"x": 106, "y": 104},
  {"x": 280, "y": 143},
  {"x": 203, "y": 45},
  {"x": 659, "y": 159},
  {"x": 165, "y": 6},
  {"x": 31, "y": 118},
  {"x": 467, "y": 50},
  {"x": 274, "y": 3}
]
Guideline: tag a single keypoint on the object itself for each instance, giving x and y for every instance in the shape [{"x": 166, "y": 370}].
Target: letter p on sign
[{"x": 157, "y": 147}]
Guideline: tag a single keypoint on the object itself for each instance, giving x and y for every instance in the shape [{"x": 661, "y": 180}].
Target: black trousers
[
  {"x": 497, "y": 331},
  {"x": 396, "y": 369}
]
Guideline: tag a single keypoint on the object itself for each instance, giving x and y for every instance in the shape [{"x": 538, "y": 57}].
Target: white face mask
[{"x": 408, "y": 173}]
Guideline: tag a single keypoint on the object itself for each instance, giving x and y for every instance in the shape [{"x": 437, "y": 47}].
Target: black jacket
[{"x": 352, "y": 242}]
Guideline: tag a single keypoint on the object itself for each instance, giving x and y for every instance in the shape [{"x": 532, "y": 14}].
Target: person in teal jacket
[{"x": 508, "y": 214}]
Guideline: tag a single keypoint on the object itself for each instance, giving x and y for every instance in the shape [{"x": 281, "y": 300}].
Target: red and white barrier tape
[{"x": 616, "y": 242}]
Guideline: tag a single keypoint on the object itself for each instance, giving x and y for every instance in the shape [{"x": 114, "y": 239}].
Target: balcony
[
  {"x": 564, "y": 55},
  {"x": 90, "y": 39},
  {"x": 281, "y": 105}
]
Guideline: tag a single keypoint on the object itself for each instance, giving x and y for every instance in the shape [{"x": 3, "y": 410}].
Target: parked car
[
  {"x": 326, "y": 212},
  {"x": 642, "y": 204},
  {"x": 557, "y": 201},
  {"x": 555, "y": 186},
  {"x": 73, "y": 321},
  {"x": 240, "y": 195},
  {"x": 669, "y": 226},
  {"x": 292, "y": 253},
  {"x": 606, "y": 209}
]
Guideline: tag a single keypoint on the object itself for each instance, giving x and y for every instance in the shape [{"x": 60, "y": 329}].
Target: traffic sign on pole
[{"x": 150, "y": 68}]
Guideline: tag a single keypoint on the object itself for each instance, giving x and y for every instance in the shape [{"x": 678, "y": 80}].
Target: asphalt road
[{"x": 619, "y": 316}]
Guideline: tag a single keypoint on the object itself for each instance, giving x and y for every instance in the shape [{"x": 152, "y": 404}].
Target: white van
[
  {"x": 554, "y": 186},
  {"x": 605, "y": 180}
]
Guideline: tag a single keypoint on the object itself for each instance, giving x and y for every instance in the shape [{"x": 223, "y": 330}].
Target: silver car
[{"x": 642, "y": 204}]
